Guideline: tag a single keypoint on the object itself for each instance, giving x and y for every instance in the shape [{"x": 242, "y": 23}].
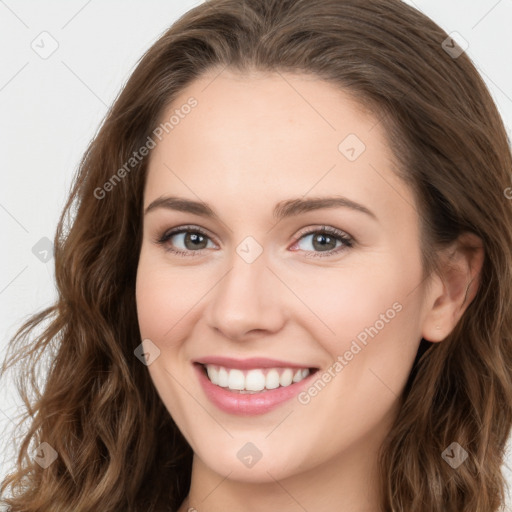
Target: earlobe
[{"x": 452, "y": 292}]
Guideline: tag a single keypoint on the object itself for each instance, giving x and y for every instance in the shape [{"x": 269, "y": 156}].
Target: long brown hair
[{"x": 118, "y": 448}]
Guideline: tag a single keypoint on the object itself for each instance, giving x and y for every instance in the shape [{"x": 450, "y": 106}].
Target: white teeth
[
  {"x": 286, "y": 377},
  {"x": 272, "y": 380},
  {"x": 297, "y": 376},
  {"x": 254, "y": 380},
  {"x": 236, "y": 379},
  {"x": 213, "y": 373},
  {"x": 223, "y": 378}
]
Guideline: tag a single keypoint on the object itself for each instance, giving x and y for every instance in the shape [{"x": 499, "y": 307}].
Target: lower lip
[{"x": 248, "y": 404}]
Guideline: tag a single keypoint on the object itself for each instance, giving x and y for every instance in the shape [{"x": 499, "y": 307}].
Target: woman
[{"x": 286, "y": 284}]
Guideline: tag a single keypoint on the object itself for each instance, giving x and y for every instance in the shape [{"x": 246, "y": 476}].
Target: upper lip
[{"x": 250, "y": 363}]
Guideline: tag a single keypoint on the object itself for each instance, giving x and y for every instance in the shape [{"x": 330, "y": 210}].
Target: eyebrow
[{"x": 283, "y": 209}]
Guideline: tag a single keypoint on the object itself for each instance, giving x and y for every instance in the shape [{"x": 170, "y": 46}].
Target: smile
[
  {"x": 252, "y": 386},
  {"x": 254, "y": 381}
]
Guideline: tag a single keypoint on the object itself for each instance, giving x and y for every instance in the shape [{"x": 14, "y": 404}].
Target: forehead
[{"x": 265, "y": 137}]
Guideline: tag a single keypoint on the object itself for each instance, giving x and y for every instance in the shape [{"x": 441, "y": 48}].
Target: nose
[{"x": 247, "y": 301}]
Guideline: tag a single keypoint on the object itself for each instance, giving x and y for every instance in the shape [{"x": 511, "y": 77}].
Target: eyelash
[{"x": 336, "y": 233}]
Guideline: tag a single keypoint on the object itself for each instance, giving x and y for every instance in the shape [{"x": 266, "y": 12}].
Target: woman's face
[{"x": 307, "y": 260}]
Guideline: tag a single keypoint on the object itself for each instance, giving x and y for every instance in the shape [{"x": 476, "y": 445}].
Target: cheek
[
  {"x": 366, "y": 318},
  {"x": 165, "y": 304},
  {"x": 165, "y": 299},
  {"x": 339, "y": 303},
  {"x": 374, "y": 318}
]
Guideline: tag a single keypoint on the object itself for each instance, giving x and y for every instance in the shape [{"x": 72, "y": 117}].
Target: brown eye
[
  {"x": 184, "y": 241},
  {"x": 327, "y": 240}
]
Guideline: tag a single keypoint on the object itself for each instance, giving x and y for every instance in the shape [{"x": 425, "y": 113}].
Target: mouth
[
  {"x": 253, "y": 386},
  {"x": 255, "y": 380}
]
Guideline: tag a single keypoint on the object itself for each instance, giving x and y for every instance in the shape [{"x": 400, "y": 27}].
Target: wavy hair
[{"x": 99, "y": 409}]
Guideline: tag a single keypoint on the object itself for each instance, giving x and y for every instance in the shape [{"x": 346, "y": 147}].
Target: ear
[{"x": 450, "y": 293}]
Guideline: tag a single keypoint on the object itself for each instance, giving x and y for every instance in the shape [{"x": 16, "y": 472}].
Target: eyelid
[
  {"x": 186, "y": 227},
  {"x": 323, "y": 228}
]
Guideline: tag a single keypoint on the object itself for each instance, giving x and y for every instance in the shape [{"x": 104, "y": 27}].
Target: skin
[{"x": 252, "y": 141}]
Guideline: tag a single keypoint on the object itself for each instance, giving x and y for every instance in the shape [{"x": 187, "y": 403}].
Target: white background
[{"x": 51, "y": 108}]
